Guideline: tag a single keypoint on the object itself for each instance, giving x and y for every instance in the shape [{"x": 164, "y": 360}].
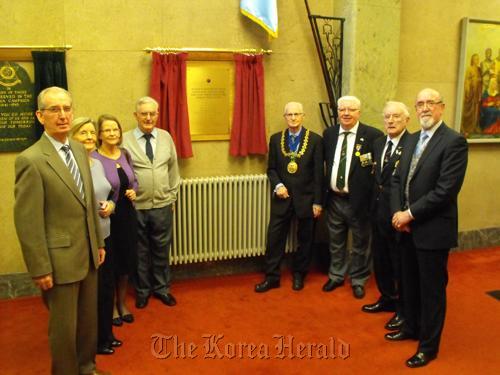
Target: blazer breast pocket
[{"x": 55, "y": 242}]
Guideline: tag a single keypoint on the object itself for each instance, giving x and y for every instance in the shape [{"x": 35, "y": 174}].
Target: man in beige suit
[{"x": 55, "y": 215}]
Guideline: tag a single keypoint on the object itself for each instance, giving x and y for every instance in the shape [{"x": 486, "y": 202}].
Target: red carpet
[{"x": 227, "y": 306}]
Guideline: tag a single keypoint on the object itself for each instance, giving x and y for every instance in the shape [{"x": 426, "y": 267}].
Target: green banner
[{"x": 17, "y": 119}]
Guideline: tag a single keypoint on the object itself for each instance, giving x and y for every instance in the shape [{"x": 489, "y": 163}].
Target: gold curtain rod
[
  {"x": 23, "y": 53},
  {"x": 222, "y": 50},
  {"x": 65, "y": 47}
]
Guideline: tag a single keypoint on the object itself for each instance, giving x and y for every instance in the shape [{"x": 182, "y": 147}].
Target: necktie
[
  {"x": 149, "y": 147},
  {"x": 73, "y": 169},
  {"x": 342, "y": 163},
  {"x": 419, "y": 149},
  {"x": 387, "y": 154},
  {"x": 292, "y": 142}
]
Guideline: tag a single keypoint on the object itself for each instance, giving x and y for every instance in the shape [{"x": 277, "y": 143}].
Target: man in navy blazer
[
  {"x": 425, "y": 188},
  {"x": 349, "y": 178},
  {"x": 386, "y": 255}
]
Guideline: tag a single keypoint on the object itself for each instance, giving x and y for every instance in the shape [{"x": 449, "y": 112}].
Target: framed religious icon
[{"x": 477, "y": 114}]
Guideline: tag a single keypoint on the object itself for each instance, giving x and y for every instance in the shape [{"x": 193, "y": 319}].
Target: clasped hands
[
  {"x": 401, "y": 221},
  {"x": 106, "y": 208}
]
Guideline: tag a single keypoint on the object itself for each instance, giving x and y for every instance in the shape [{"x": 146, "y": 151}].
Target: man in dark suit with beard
[
  {"x": 424, "y": 194},
  {"x": 295, "y": 171},
  {"x": 386, "y": 255},
  {"x": 349, "y": 175}
]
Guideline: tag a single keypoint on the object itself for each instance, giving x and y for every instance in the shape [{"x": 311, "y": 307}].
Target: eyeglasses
[
  {"x": 56, "y": 110},
  {"x": 109, "y": 131},
  {"x": 429, "y": 103},
  {"x": 290, "y": 115},
  {"x": 347, "y": 109},
  {"x": 146, "y": 114}
]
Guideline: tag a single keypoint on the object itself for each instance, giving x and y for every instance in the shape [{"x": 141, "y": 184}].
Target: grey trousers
[
  {"x": 73, "y": 325},
  {"x": 154, "y": 230},
  {"x": 340, "y": 219}
]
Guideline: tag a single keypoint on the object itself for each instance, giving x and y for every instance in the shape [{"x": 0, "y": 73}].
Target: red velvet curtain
[
  {"x": 168, "y": 87},
  {"x": 248, "y": 133}
]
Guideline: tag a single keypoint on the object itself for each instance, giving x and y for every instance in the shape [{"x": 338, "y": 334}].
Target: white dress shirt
[
  {"x": 351, "y": 139},
  {"x": 139, "y": 135}
]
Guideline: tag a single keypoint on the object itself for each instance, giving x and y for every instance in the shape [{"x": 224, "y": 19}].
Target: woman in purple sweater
[
  {"x": 83, "y": 130},
  {"x": 120, "y": 174}
]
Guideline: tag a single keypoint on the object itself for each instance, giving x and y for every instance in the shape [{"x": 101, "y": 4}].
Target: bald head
[
  {"x": 296, "y": 105},
  {"x": 430, "y": 92}
]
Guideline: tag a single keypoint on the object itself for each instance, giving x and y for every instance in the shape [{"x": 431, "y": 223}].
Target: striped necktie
[
  {"x": 73, "y": 169},
  {"x": 419, "y": 149},
  {"x": 342, "y": 163},
  {"x": 387, "y": 155}
]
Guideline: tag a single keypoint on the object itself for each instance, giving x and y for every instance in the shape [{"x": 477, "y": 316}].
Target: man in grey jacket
[{"x": 155, "y": 163}]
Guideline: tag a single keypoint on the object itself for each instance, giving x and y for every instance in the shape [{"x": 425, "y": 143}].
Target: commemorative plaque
[
  {"x": 17, "y": 121},
  {"x": 210, "y": 94}
]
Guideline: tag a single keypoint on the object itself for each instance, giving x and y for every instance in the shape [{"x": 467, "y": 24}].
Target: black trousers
[
  {"x": 425, "y": 277},
  {"x": 387, "y": 266},
  {"x": 279, "y": 226},
  {"x": 105, "y": 297}
]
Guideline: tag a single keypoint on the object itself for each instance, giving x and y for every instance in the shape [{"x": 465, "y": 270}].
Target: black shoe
[
  {"x": 167, "y": 299},
  {"x": 399, "y": 336},
  {"x": 104, "y": 350},
  {"x": 420, "y": 359},
  {"x": 141, "y": 302},
  {"x": 358, "y": 291},
  {"x": 395, "y": 323},
  {"x": 266, "y": 285},
  {"x": 128, "y": 318},
  {"x": 378, "y": 306},
  {"x": 298, "y": 282},
  {"x": 331, "y": 285},
  {"x": 116, "y": 343},
  {"x": 117, "y": 322}
]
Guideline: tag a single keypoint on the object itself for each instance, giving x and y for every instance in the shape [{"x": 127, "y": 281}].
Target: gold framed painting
[{"x": 477, "y": 114}]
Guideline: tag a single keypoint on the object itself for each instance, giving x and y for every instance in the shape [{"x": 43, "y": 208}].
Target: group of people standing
[
  {"x": 396, "y": 191},
  {"x": 94, "y": 208}
]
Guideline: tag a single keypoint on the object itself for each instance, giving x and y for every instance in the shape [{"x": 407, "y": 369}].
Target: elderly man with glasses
[
  {"x": 424, "y": 192},
  {"x": 295, "y": 171},
  {"x": 56, "y": 221},
  {"x": 155, "y": 163}
]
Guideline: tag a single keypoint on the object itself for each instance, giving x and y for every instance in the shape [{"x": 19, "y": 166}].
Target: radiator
[{"x": 219, "y": 218}]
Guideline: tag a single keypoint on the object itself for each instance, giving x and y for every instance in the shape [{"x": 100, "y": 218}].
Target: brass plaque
[{"x": 210, "y": 95}]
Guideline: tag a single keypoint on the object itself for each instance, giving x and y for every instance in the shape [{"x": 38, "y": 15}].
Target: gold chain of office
[{"x": 292, "y": 166}]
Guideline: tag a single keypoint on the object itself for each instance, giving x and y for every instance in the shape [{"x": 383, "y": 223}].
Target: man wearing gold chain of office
[{"x": 295, "y": 172}]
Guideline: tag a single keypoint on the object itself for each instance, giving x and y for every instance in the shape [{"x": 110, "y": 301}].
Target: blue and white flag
[{"x": 264, "y": 12}]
